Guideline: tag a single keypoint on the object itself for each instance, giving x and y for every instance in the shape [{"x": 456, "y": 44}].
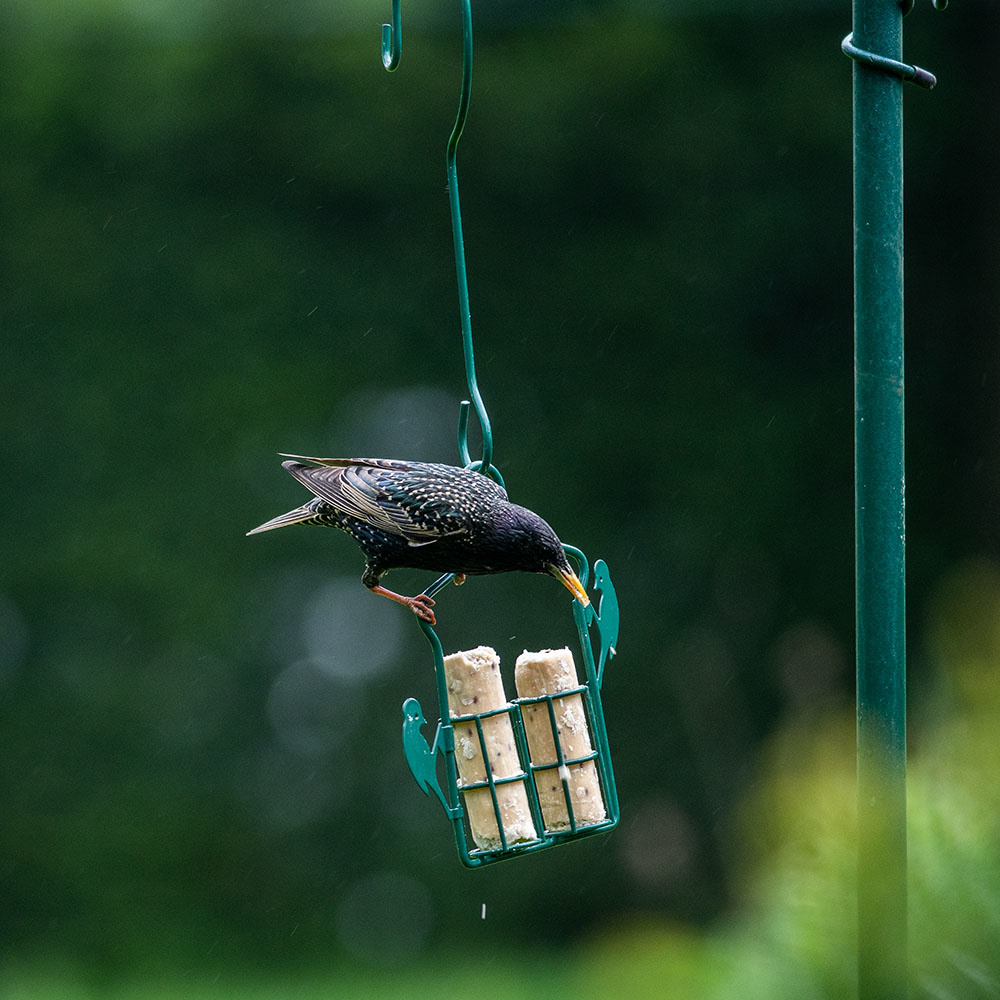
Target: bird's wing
[
  {"x": 419, "y": 502},
  {"x": 343, "y": 463}
]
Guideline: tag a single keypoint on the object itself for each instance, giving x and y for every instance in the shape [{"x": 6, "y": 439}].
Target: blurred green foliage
[{"x": 234, "y": 242}]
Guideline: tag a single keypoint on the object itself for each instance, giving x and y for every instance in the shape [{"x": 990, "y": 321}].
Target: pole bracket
[{"x": 905, "y": 72}]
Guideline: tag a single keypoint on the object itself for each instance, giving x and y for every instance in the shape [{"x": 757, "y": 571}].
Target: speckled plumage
[{"x": 420, "y": 515}]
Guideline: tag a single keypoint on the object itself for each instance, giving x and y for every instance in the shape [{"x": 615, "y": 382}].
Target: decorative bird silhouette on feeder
[
  {"x": 420, "y": 515},
  {"x": 605, "y": 616},
  {"x": 421, "y": 757}
]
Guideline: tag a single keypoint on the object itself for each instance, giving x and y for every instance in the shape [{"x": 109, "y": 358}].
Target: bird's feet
[{"x": 420, "y": 605}]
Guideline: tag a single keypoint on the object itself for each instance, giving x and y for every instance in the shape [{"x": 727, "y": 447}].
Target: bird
[{"x": 423, "y": 515}]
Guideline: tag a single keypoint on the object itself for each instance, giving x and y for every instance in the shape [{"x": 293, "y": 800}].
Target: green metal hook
[
  {"x": 392, "y": 39},
  {"x": 486, "y": 465},
  {"x": 463, "y": 438},
  {"x": 391, "y": 48}
]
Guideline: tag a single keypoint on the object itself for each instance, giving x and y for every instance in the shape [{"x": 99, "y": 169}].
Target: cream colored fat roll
[
  {"x": 547, "y": 673},
  {"x": 474, "y": 687}
]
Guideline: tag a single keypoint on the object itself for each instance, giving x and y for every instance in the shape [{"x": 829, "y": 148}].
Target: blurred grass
[{"x": 511, "y": 976}]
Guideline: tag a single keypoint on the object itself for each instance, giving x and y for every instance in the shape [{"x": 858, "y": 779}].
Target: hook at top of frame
[{"x": 392, "y": 39}]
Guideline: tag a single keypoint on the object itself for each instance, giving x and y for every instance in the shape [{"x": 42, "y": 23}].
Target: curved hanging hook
[
  {"x": 392, "y": 39},
  {"x": 463, "y": 442},
  {"x": 486, "y": 465},
  {"x": 392, "y": 43}
]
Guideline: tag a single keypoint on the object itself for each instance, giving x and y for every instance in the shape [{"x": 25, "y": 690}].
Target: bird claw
[{"x": 421, "y": 607}]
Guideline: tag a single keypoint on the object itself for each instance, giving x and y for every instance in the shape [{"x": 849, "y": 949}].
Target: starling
[{"x": 425, "y": 516}]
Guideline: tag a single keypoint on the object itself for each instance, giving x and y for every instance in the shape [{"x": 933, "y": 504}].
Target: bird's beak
[{"x": 572, "y": 583}]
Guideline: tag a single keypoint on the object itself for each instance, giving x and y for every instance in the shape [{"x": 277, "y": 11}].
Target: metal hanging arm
[
  {"x": 392, "y": 42},
  {"x": 486, "y": 465}
]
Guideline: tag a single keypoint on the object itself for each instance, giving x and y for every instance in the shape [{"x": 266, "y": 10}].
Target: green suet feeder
[{"x": 532, "y": 772}]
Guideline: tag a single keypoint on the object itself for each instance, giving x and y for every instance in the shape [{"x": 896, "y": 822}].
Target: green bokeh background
[{"x": 225, "y": 235}]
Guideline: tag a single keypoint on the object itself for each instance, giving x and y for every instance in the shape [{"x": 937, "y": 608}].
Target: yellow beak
[{"x": 572, "y": 583}]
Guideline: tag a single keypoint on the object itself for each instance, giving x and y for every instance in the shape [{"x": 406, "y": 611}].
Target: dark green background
[{"x": 225, "y": 239}]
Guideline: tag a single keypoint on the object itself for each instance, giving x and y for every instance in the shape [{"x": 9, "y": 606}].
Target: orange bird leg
[{"x": 419, "y": 605}]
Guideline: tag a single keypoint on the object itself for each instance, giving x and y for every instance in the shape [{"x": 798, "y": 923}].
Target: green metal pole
[{"x": 879, "y": 505}]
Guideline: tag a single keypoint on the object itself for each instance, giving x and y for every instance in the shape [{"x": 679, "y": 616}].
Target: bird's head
[{"x": 540, "y": 551}]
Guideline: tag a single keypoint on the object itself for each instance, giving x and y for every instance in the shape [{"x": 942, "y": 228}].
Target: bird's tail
[{"x": 301, "y": 515}]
